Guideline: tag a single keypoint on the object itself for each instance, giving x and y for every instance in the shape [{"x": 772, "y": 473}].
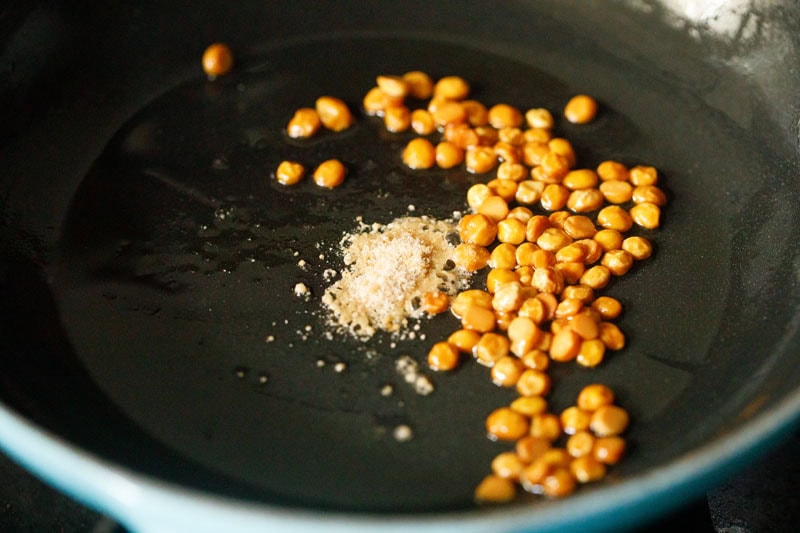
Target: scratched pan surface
[{"x": 148, "y": 257}]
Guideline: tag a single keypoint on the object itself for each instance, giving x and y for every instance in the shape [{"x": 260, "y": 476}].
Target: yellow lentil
[
  {"x": 618, "y": 262},
  {"x": 511, "y": 135},
  {"x": 529, "y": 406},
  {"x": 612, "y": 170},
  {"x": 563, "y": 148},
  {"x": 511, "y": 230},
  {"x": 612, "y": 336},
  {"x": 596, "y": 277},
  {"x": 504, "y": 116},
  {"x": 217, "y": 60},
  {"x": 478, "y": 318},
  {"x": 443, "y": 356},
  {"x": 506, "y": 372},
  {"x": 580, "y": 444},
  {"x": 591, "y": 353},
  {"x": 397, "y": 119},
  {"x": 448, "y": 155},
  {"x": 333, "y": 113},
  {"x": 495, "y": 489},
  {"x": 490, "y": 348},
  {"x": 393, "y": 86},
  {"x": 451, "y": 88},
  {"x": 594, "y": 396},
  {"x": 575, "y": 419},
  {"x": 508, "y": 295},
  {"x": 643, "y": 175},
  {"x": 508, "y": 465},
  {"x": 639, "y": 247},
  {"x": 330, "y": 174},
  {"x": 616, "y": 191},
  {"x": 422, "y": 122},
  {"x": 419, "y": 84},
  {"x": 546, "y": 426},
  {"x": 609, "y": 421},
  {"x": 506, "y": 152},
  {"x": 376, "y": 102},
  {"x": 539, "y": 118},
  {"x": 464, "y": 340},
  {"x": 480, "y": 159},
  {"x": 524, "y": 335},
  {"x": 449, "y": 112},
  {"x": 554, "y": 197},
  {"x": 476, "y": 194},
  {"x": 477, "y": 114},
  {"x": 505, "y": 189},
  {"x": 506, "y": 424},
  {"x": 289, "y": 173},
  {"x": 580, "y": 179},
  {"x": 533, "y": 383},
  {"x": 580, "y": 109},
  {"x": 304, "y": 123},
  {"x": 499, "y": 276},
  {"x": 503, "y": 256},
  {"x": 478, "y": 229},
  {"x": 614, "y": 217},
  {"x": 513, "y": 171},
  {"x": 646, "y": 214},
  {"x": 649, "y": 193},
  {"x": 470, "y": 297},
  {"x": 608, "y": 450},
  {"x": 586, "y": 469},
  {"x": 435, "y": 302},
  {"x": 529, "y": 192},
  {"x": 608, "y": 307},
  {"x": 419, "y": 153},
  {"x": 470, "y": 256},
  {"x": 538, "y": 135}
]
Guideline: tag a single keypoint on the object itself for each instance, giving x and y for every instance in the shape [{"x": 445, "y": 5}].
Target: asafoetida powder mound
[{"x": 388, "y": 268}]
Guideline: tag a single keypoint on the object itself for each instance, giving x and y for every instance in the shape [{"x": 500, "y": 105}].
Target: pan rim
[
  {"x": 140, "y": 500},
  {"x": 144, "y": 503}
]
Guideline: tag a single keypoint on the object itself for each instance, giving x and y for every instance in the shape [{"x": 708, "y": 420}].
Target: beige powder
[{"x": 388, "y": 269}]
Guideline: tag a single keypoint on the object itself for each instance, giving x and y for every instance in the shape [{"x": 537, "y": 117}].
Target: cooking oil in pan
[{"x": 180, "y": 220}]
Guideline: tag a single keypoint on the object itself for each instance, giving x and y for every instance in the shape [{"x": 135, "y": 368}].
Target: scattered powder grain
[
  {"x": 388, "y": 268},
  {"x": 408, "y": 368},
  {"x": 423, "y": 385},
  {"x": 301, "y": 290},
  {"x": 403, "y": 433}
]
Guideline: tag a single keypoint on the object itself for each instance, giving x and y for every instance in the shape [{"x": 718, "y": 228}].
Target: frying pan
[{"x": 147, "y": 256}]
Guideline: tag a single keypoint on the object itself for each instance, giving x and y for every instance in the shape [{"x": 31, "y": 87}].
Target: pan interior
[{"x": 179, "y": 256}]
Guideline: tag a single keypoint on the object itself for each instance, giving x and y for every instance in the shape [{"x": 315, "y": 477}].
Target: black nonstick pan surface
[{"x": 150, "y": 332}]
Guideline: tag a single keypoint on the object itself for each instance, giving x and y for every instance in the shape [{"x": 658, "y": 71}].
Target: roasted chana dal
[
  {"x": 550, "y": 234},
  {"x": 217, "y": 60}
]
